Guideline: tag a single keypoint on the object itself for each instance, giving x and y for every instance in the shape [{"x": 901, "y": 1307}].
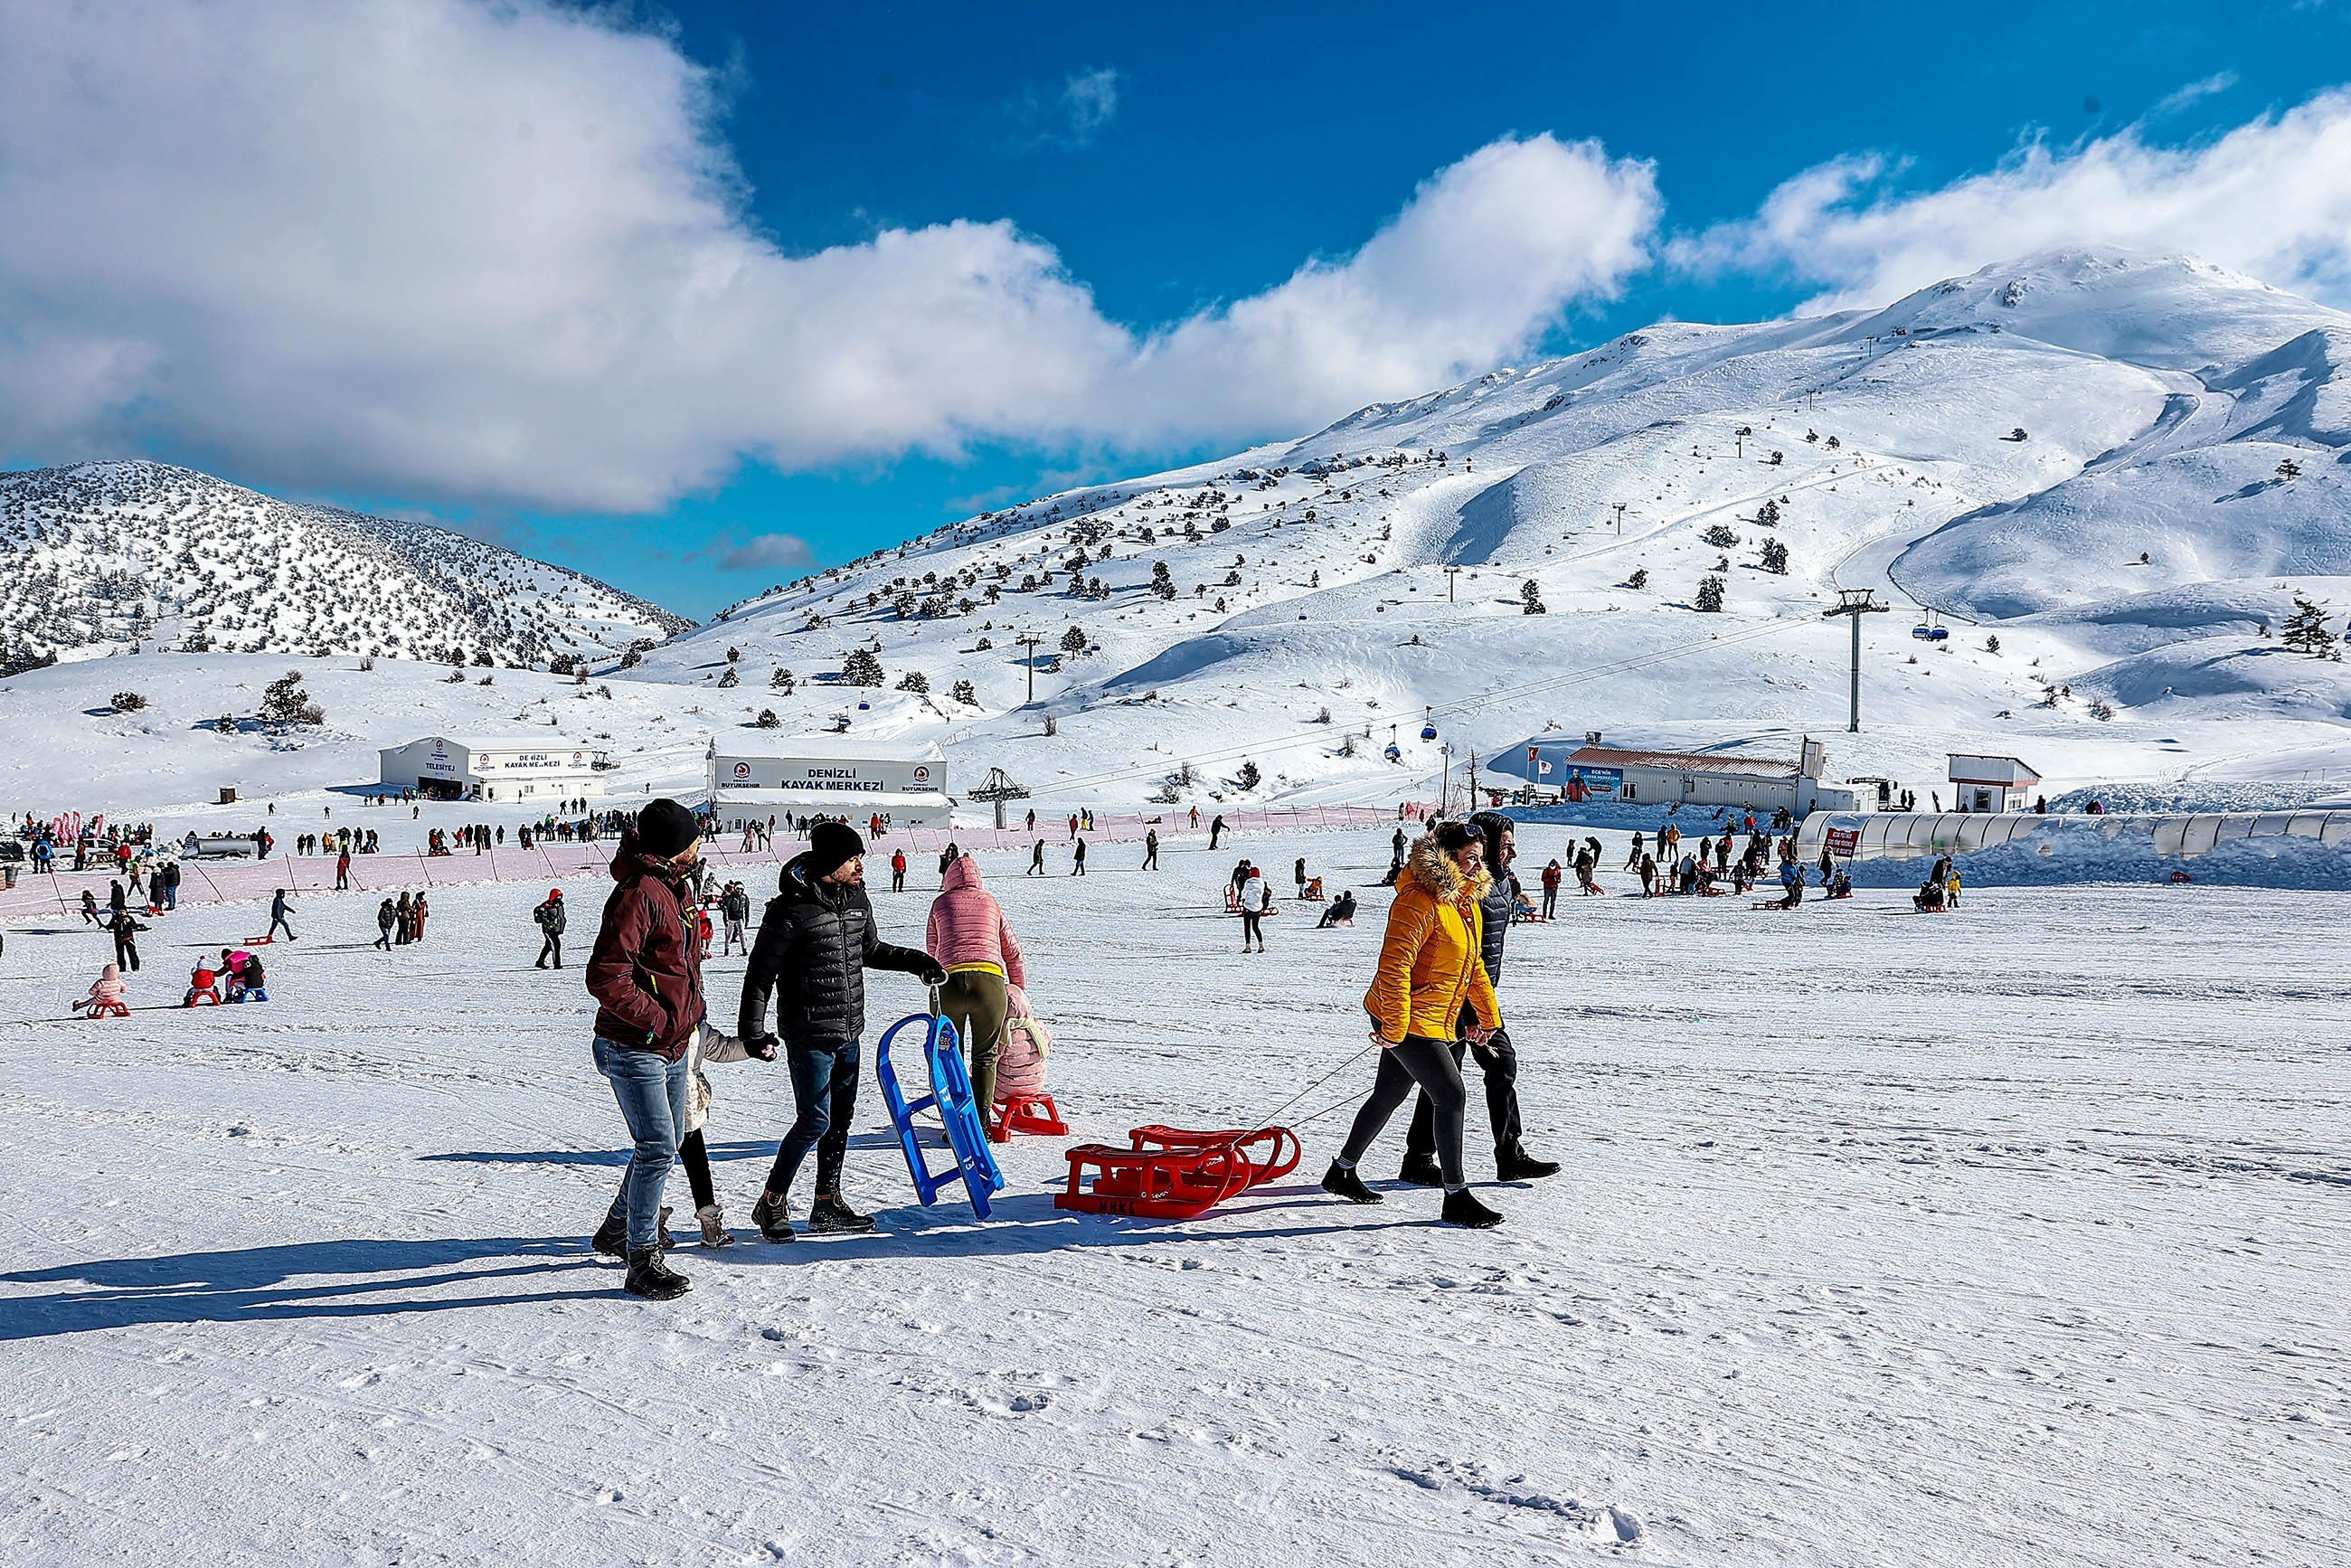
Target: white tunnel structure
[{"x": 1916, "y": 835}]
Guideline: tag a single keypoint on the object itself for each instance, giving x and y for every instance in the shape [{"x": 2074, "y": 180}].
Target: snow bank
[{"x": 2063, "y": 849}]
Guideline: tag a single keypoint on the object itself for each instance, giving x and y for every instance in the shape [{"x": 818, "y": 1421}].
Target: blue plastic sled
[{"x": 975, "y": 1166}]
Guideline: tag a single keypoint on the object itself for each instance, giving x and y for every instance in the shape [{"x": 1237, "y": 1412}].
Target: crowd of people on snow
[{"x": 1433, "y": 1002}]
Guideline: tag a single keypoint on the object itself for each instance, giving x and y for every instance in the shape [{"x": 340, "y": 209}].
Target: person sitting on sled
[
  {"x": 1791, "y": 877},
  {"x": 1929, "y": 897},
  {"x": 1341, "y": 912},
  {"x": 245, "y": 979},
  {"x": 1020, "y": 1062},
  {"x": 108, "y": 994},
  {"x": 203, "y": 982}
]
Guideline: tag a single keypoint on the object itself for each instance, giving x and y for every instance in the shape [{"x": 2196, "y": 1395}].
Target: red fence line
[{"x": 229, "y": 882}]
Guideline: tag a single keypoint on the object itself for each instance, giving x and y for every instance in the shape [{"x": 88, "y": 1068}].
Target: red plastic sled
[
  {"x": 1032, "y": 1114},
  {"x": 109, "y": 1010},
  {"x": 1174, "y": 1173}
]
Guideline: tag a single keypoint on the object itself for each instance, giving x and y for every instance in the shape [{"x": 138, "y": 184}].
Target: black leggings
[
  {"x": 1251, "y": 926},
  {"x": 1429, "y": 1064},
  {"x": 695, "y": 1157}
]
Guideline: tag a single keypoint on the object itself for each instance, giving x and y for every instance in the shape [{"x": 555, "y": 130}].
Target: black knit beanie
[
  {"x": 833, "y": 845},
  {"x": 664, "y": 827}
]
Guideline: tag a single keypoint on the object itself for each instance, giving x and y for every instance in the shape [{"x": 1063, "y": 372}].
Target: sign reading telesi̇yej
[{"x": 830, "y": 775}]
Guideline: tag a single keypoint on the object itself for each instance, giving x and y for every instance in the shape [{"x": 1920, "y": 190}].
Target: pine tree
[
  {"x": 1709, "y": 594},
  {"x": 2306, "y": 631},
  {"x": 1248, "y": 778},
  {"x": 1163, "y": 580},
  {"x": 730, "y": 678},
  {"x": 963, "y": 693},
  {"x": 861, "y": 668},
  {"x": 1074, "y": 640},
  {"x": 1720, "y": 535},
  {"x": 1640, "y": 578},
  {"x": 915, "y": 681},
  {"x": 781, "y": 680},
  {"x": 1775, "y": 557},
  {"x": 1530, "y": 597},
  {"x": 284, "y": 702}
]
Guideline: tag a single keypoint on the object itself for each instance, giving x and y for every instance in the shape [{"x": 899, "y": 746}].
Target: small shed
[{"x": 1991, "y": 783}]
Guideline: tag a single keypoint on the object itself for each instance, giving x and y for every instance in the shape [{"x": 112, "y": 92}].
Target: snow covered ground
[{"x": 2016, "y": 1236}]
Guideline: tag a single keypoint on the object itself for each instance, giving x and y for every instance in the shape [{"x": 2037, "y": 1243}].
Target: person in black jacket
[
  {"x": 125, "y": 932},
  {"x": 552, "y": 921},
  {"x": 817, "y": 938},
  {"x": 1496, "y": 1058}
]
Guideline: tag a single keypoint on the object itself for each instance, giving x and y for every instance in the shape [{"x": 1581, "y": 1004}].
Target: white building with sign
[
  {"x": 537, "y": 769},
  {"x": 818, "y": 775}
]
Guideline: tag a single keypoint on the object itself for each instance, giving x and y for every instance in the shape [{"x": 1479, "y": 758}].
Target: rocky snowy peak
[
  {"x": 108, "y": 555},
  {"x": 2167, "y": 312}
]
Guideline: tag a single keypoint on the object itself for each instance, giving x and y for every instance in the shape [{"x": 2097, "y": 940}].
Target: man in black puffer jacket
[
  {"x": 1496, "y": 1058},
  {"x": 816, "y": 941}
]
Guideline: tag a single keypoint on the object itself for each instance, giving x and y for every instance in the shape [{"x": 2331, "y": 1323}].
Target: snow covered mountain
[
  {"x": 106, "y": 555},
  {"x": 2123, "y": 466}
]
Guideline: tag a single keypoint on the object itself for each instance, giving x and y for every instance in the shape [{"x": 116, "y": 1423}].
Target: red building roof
[{"x": 1683, "y": 762}]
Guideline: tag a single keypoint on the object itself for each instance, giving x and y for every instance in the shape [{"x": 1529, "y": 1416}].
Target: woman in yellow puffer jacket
[{"x": 1429, "y": 966}]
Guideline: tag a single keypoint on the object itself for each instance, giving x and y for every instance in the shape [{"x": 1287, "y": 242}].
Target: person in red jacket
[
  {"x": 645, "y": 973},
  {"x": 1551, "y": 881}
]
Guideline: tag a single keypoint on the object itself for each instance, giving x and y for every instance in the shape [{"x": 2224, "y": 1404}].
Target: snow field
[{"x": 2010, "y": 1236}]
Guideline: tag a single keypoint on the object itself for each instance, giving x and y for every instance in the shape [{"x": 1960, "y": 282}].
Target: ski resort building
[
  {"x": 819, "y": 775},
  {"x": 1991, "y": 783},
  {"x": 536, "y": 769},
  {"x": 1694, "y": 779}
]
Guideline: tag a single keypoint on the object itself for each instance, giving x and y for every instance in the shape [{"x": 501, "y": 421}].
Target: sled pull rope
[{"x": 1271, "y": 1116}]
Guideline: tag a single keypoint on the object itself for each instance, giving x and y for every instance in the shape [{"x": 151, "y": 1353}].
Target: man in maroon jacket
[{"x": 645, "y": 973}]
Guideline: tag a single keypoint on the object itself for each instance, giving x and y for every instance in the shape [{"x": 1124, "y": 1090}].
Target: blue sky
[{"x": 1143, "y": 168}]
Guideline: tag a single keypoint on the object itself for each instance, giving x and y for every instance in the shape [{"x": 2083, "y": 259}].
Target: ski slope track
[{"x": 1377, "y": 569}]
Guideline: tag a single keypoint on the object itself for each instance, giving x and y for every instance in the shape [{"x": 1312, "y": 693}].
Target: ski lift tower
[
  {"x": 1855, "y": 603},
  {"x": 999, "y": 789}
]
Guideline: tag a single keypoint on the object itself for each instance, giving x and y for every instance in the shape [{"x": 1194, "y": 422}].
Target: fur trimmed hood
[{"x": 1434, "y": 870}]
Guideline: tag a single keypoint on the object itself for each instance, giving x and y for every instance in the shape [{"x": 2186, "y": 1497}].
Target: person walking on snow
[
  {"x": 1078, "y": 860},
  {"x": 1429, "y": 976},
  {"x": 1037, "y": 860},
  {"x": 125, "y": 931},
  {"x": 817, "y": 939},
  {"x": 387, "y": 921},
  {"x": 1151, "y": 850},
  {"x": 1256, "y": 899},
  {"x": 550, "y": 918},
  {"x": 1552, "y": 877},
  {"x": 1215, "y": 829},
  {"x": 645, "y": 973},
  {"x": 343, "y": 871},
  {"x": 416, "y": 914},
  {"x": 1495, "y": 1056},
  {"x": 734, "y": 909},
  {"x": 898, "y": 871},
  {"x": 278, "y": 909},
  {"x": 969, "y": 935}
]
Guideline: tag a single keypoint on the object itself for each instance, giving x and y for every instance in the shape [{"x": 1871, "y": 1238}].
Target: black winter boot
[
  {"x": 1341, "y": 1181},
  {"x": 612, "y": 1238},
  {"x": 1421, "y": 1170},
  {"x": 767, "y": 1214},
  {"x": 1462, "y": 1209},
  {"x": 830, "y": 1217},
  {"x": 1513, "y": 1163},
  {"x": 666, "y": 1240},
  {"x": 654, "y": 1278}
]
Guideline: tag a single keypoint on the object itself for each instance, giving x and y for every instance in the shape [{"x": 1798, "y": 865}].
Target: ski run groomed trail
[{"x": 2015, "y": 1236}]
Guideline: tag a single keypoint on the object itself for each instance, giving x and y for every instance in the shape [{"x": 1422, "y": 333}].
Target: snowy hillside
[
  {"x": 113, "y": 554},
  {"x": 2003, "y": 448}
]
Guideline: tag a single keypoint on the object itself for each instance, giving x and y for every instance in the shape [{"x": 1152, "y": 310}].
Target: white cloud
[
  {"x": 497, "y": 253},
  {"x": 2272, "y": 198},
  {"x": 1089, "y": 102},
  {"x": 764, "y": 550}
]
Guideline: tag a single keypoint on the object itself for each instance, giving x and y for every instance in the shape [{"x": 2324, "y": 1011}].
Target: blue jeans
[
  {"x": 824, "y": 1088},
  {"x": 652, "y": 1091}
]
